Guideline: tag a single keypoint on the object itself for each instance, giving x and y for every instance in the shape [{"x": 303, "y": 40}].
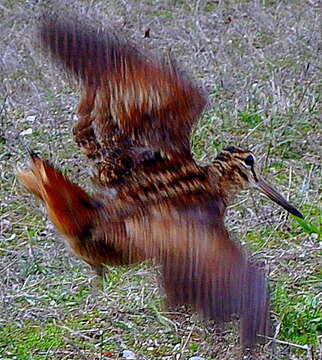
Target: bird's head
[{"x": 239, "y": 170}]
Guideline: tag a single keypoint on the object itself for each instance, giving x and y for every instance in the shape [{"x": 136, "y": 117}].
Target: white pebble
[
  {"x": 129, "y": 355},
  {"x": 26, "y": 132},
  {"x": 31, "y": 118}
]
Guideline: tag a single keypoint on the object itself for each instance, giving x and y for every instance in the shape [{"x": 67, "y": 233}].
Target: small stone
[
  {"x": 12, "y": 237},
  {"x": 314, "y": 237},
  {"x": 129, "y": 355},
  {"x": 31, "y": 118},
  {"x": 26, "y": 132}
]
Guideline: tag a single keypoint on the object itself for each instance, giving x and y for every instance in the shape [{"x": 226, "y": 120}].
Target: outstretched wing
[
  {"x": 201, "y": 266},
  {"x": 129, "y": 99},
  {"x": 184, "y": 233}
]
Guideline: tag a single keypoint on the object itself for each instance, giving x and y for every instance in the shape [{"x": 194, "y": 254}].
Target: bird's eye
[{"x": 249, "y": 160}]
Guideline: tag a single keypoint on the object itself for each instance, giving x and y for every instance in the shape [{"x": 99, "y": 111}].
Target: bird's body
[
  {"x": 153, "y": 200},
  {"x": 181, "y": 227}
]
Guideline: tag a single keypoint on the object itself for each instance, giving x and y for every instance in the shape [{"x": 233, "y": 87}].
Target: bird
[{"x": 152, "y": 200}]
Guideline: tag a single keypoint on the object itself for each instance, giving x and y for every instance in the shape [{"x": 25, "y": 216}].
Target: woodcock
[{"x": 153, "y": 201}]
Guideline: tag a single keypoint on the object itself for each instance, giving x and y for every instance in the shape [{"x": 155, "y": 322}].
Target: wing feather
[
  {"x": 139, "y": 97},
  {"x": 202, "y": 267}
]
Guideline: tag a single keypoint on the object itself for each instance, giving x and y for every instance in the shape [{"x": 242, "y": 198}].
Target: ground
[{"x": 260, "y": 62}]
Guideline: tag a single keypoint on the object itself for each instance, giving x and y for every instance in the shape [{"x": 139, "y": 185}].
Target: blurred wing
[
  {"x": 203, "y": 267},
  {"x": 128, "y": 98}
]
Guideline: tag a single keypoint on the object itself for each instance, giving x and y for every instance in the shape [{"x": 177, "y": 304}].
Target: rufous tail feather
[{"x": 69, "y": 207}]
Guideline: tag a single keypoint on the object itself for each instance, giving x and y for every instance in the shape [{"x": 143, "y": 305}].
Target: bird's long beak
[{"x": 264, "y": 187}]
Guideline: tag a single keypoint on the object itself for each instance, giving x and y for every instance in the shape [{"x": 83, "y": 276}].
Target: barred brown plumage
[
  {"x": 146, "y": 120},
  {"x": 154, "y": 201}
]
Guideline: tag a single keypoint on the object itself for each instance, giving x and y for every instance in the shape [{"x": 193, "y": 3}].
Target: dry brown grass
[{"x": 260, "y": 61}]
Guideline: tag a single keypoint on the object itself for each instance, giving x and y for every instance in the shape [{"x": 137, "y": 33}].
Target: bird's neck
[{"x": 226, "y": 181}]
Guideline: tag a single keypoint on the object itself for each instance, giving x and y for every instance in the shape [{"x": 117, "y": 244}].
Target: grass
[
  {"x": 21, "y": 341},
  {"x": 259, "y": 63},
  {"x": 301, "y": 315}
]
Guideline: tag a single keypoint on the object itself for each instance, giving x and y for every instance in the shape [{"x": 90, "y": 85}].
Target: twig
[
  {"x": 289, "y": 183},
  {"x": 187, "y": 339},
  {"x": 79, "y": 333},
  {"x": 250, "y": 132},
  {"x": 4, "y": 104},
  {"x": 266, "y": 157},
  {"x": 303, "y": 347}
]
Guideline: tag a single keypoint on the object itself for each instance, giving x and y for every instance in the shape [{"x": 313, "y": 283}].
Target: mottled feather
[
  {"x": 181, "y": 228},
  {"x": 132, "y": 106}
]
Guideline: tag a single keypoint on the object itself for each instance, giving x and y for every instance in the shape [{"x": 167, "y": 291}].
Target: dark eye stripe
[{"x": 254, "y": 174}]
